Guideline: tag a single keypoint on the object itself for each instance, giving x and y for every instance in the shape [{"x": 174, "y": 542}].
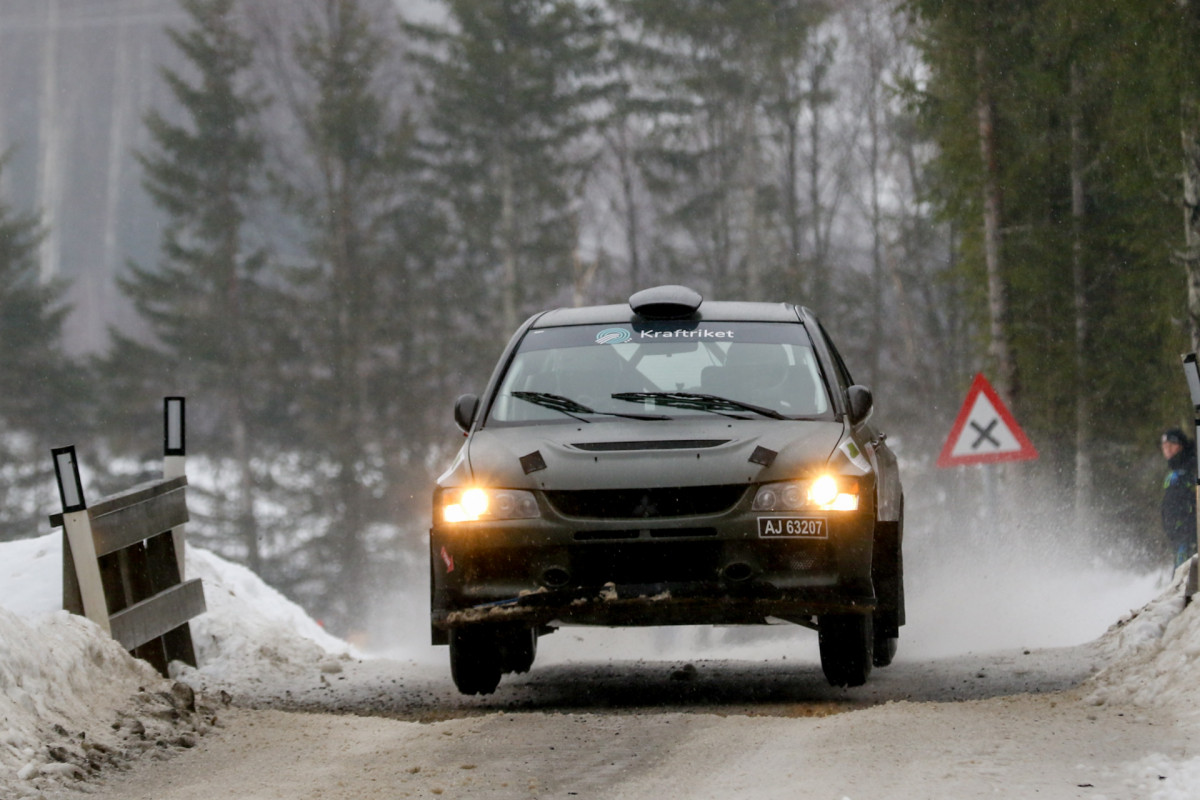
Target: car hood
[{"x": 638, "y": 454}]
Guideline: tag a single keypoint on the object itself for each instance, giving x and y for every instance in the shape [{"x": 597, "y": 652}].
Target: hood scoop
[{"x": 658, "y": 444}]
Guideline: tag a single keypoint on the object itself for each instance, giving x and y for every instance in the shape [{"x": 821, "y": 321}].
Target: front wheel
[
  {"x": 847, "y": 645},
  {"x": 475, "y": 660}
]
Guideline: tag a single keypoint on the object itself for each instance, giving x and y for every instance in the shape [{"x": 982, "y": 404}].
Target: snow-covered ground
[{"x": 74, "y": 703}]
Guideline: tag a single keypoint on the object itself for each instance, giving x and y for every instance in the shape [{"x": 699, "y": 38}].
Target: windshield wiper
[
  {"x": 556, "y": 402},
  {"x": 698, "y": 402}
]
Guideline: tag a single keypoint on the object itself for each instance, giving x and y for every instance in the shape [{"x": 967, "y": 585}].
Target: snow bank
[
  {"x": 1153, "y": 656},
  {"x": 73, "y": 701},
  {"x": 251, "y": 634}
]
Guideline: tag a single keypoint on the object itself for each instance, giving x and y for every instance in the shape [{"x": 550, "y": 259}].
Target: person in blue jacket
[{"x": 1179, "y": 494}]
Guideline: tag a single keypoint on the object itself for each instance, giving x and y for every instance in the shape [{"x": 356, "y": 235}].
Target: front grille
[
  {"x": 597, "y": 536},
  {"x": 653, "y": 533},
  {"x": 645, "y": 503}
]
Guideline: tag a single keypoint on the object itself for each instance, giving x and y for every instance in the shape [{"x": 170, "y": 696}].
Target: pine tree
[{"x": 205, "y": 303}]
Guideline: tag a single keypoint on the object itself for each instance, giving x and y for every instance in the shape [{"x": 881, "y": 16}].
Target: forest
[{"x": 357, "y": 208}]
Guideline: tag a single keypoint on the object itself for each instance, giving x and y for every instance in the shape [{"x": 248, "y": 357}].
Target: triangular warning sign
[{"x": 985, "y": 431}]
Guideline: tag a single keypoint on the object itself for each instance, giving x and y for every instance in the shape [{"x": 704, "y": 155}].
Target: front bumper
[{"x": 682, "y": 570}]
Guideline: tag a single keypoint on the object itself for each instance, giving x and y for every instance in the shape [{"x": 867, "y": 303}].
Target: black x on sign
[{"x": 985, "y": 431}]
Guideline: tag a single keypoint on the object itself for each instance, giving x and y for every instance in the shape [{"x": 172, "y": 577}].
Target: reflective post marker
[
  {"x": 66, "y": 472},
  {"x": 174, "y": 432},
  {"x": 175, "y": 457}
]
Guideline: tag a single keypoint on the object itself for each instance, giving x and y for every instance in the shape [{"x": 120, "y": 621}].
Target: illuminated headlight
[
  {"x": 826, "y": 493},
  {"x": 474, "y": 504}
]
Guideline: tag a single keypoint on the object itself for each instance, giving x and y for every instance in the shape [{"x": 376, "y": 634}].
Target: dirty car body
[{"x": 673, "y": 461}]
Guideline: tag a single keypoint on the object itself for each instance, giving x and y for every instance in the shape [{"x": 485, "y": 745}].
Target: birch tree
[{"x": 1189, "y": 135}]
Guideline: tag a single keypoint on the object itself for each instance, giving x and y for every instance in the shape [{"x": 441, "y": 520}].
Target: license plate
[{"x": 791, "y": 528}]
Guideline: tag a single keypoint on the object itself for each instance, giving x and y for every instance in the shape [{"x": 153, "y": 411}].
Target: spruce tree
[
  {"x": 42, "y": 387},
  {"x": 724, "y": 87},
  {"x": 360, "y": 285},
  {"x": 205, "y": 303},
  {"x": 511, "y": 88}
]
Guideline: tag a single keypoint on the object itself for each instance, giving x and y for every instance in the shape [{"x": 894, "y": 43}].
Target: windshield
[{"x": 661, "y": 371}]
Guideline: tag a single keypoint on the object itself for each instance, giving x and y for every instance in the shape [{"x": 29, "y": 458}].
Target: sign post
[{"x": 1192, "y": 371}]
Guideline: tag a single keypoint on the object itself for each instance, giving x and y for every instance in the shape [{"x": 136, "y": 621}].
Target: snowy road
[
  {"x": 976, "y": 705},
  {"x": 1004, "y": 724},
  {"x": 771, "y": 687},
  {"x": 1014, "y": 748}
]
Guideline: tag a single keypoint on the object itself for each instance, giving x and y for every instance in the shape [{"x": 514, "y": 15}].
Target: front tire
[
  {"x": 847, "y": 643},
  {"x": 475, "y": 660}
]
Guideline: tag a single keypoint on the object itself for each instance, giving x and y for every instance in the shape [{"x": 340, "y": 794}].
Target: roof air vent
[{"x": 666, "y": 302}]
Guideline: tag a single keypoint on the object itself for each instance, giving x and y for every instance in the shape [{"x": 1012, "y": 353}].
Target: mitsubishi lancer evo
[{"x": 670, "y": 461}]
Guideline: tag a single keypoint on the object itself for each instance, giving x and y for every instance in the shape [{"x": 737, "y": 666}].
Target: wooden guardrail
[{"x": 123, "y": 556}]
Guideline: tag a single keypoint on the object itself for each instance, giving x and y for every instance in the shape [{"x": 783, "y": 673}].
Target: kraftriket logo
[{"x": 613, "y": 336}]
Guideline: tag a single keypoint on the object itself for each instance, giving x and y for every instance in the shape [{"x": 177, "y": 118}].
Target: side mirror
[
  {"x": 464, "y": 411},
  {"x": 861, "y": 403}
]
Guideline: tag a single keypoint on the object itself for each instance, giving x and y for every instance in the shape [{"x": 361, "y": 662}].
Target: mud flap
[{"x": 887, "y": 573}]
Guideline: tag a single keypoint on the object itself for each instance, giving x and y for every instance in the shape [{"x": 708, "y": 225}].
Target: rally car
[{"x": 672, "y": 461}]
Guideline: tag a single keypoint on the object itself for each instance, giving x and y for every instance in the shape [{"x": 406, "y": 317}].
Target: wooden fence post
[
  {"x": 123, "y": 556},
  {"x": 86, "y": 587}
]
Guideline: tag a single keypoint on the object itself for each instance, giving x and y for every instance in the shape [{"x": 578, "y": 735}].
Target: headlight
[
  {"x": 473, "y": 504},
  {"x": 826, "y": 493}
]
